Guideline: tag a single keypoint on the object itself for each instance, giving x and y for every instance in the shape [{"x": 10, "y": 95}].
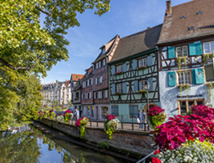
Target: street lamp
[{"x": 147, "y": 86}]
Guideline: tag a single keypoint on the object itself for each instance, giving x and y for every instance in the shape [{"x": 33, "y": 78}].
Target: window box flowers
[
  {"x": 207, "y": 56},
  {"x": 118, "y": 93},
  {"x": 156, "y": 116},
  {"x": 142, "y": 91},
  {"x": 118, "y": 72},
  {"x": 68, "y": 115},
  {"x": 52, "y": 114},
  {"x": 142, "y": 67},
  {"x": 81, "y": 124},
  {"x": 184, "y": 86},
  {"x": 111, "y": 125}
]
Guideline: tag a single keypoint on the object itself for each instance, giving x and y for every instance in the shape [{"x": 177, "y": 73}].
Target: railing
[{"x": 143, "y": 160}]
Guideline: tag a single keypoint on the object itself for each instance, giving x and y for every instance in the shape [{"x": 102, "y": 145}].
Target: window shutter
[
  {"x": 134, "y": 64},
  {"x": 198, "y": 48},
  {"x": 149, "y": 60},
  {"x": 150, "y": 80},
  {"x": 171, "y": 52},
  {"x": 124, "y": 67},
  {"x": 113, "y": 89},
  {"x": 101, "y": 79},
  {"x": 209, "y": 73},
  {"x": 171, "y": 79},
  {"x": 96, "y": 81},
  {"x": 198, "y": 76},
  {"x": 135, "y": 86},
  {"x": 192, "y": 49},
  {"x": 124, "y": 87},
  {"x": 112, "y": 70},
  {"x": 92, "y": 81}
]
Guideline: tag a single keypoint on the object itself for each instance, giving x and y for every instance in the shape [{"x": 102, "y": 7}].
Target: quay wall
[{"x": 140, "y": 143}]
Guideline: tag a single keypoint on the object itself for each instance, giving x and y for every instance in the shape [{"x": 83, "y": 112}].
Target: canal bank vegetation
[{"x": 28, "y": 50}]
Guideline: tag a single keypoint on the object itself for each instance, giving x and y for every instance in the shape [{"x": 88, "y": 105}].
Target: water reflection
[{"x": 35, "y": 147}]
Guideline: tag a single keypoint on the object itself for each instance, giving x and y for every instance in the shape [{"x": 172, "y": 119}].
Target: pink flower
[
  {"x": 155, "y": 160},
  {"x": 110, "y": 117}
]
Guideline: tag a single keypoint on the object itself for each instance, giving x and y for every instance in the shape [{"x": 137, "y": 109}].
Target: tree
[{"x": 26, "y": 48}]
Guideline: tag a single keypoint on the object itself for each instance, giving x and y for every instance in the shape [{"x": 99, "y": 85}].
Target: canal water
[{"x": 33, "y": 146}]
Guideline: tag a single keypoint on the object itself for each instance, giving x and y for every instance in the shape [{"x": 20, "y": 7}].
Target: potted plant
[
  {"x": 142, "y": 91},
  {"x": 118, "y": 93},
  {"x": 111, "y": 125},
  {"x": 142, "y": 67},
  {"x": 207, "y": 56},
  {"x": 68, "y": 116},
  {"x": 81, "y": 124},
  {"x": 118, "y": 72}
]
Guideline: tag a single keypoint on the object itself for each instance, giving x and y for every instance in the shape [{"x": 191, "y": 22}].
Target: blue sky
[{"x": 125, "y": 17}]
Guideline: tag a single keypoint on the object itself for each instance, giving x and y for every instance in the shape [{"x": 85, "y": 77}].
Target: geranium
[
  {"x": 52, "y": 114},
  {"x": 81, "y": 124},
  {"x": 68, "y": 116},
  {"x": 179, "y": 129},
  {"x": 59, "y": 118},
  {"x": 45, "y": 114},
  {"x": 111, "y": 125},
  {"x": 156, "y": 116},
  {"x": 155, "y": 160},
  {"x": 191, "y": 151}
]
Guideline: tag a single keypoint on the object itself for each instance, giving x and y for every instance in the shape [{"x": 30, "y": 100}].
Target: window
[
  {"x": 99, "y": 94},
  {"x": 119, "y": 68},
  {"x": 185, "y": 105},
  {"x": 104, "y": 112},
  {"x": 100, "y": 64},
  {"x": 92, "y": 112},
  {"x": 77, "y": 94},
  {"x": 142, "y": 84},
  {"x": 89, "y": 95},
  {"x": 114, "y": 110},
  {"x": 185, "y": 77},
  {"x": 99, "y": 80},
  {"x": 105, "y": 93},
  {"x": 95, "y": 95},
  {"x": 142, "y": 62},
  {"x": 133, "y": 111},
  {"x": 181, "y": 51},
  {"x": 208, "y": 47},
  {"x": 96, "y": 65},
  {"x": 209, "y": 73},
  {"x": 120, "y": 88}
]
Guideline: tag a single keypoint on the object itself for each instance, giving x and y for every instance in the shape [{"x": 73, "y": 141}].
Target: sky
[{"x": 125, "y": 17}]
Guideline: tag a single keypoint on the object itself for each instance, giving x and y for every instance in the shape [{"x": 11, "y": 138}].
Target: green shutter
[
  {"x": 134, "y": 64},
  {"x": 198, "y": 76},
  {"x": 124, "y": 87},
  {"x": 198, "y": 48},
  {"x": 171, "y": 79},
  {"x": 135, "y": 86},
  {"x": 171, "y": 52},
  {"x": 192, "y": 49},
  {"x": 113, "y": 89},
  {"x": 195, "y": 49}
]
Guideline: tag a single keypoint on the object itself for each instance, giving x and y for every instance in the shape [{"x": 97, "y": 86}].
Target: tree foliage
[{"x": 28, "y": 48}]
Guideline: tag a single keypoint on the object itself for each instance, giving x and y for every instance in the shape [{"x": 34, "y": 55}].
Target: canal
[{"x": 34, "y": 146}]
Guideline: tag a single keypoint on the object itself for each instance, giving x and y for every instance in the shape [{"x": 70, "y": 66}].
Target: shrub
[{"x": 156, "y": 116}]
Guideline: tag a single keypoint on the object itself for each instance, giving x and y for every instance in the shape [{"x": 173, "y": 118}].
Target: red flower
[
  {"x": 60, "y": 114},
  {"x": 155, "y": 160},
  {"x": 157, "y": 151},
  {"x": 177, "y": 108},
  {"x": 110, "y": 117},
  {"x": 190, "y": 138}
]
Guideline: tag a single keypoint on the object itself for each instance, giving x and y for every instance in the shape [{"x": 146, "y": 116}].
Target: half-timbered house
[
  {"x": 186, "y": 48},
  {"x": 133, "y": 67}
]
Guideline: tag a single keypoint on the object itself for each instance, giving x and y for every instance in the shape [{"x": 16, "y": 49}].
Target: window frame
[
  {"x": 184, "y": 77},
  {"x": 208, "y": 42},
  {"x": 119, "y": 68},
  {"x": 134, "y": 115},
  {"x": 121, "y": 91},
  {"x": 145, "y": 62},
  {"x": 182, "y": 50}
]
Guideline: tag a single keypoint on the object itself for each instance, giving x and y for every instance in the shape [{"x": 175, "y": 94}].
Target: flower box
[
  {"x": 142, "y": 67},
  {"x": 118, "y": 72},
  {"x": 118, "y": 93},
  {"x": 184, "y": 86},
  {"x": 142, "y": 91}
]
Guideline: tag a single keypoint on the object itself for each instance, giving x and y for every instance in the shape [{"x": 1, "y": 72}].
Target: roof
[
  {"x": 107, "y": 47},
  {"x": 176, "y": 28},
  {"x": 76, "y": 77},
  {"x": 137, "y": 43}
]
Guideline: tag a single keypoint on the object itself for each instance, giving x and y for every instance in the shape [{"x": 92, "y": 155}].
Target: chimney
[{"x": 168, "y": 8}]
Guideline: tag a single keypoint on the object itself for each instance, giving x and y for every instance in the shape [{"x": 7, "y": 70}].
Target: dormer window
[
  {"x": 103, "y": 50},
  {"x": 199, "y": 13},
  {"x": 104, "y": 62}
]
